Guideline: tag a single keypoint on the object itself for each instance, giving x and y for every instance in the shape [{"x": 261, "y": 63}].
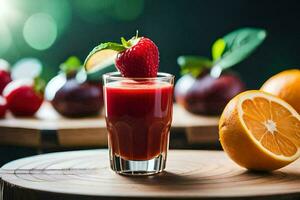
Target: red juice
[{"x": 138, "y": 117}]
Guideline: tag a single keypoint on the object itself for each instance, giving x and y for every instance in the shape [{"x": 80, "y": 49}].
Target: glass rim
[{"x": 117, "y": 76}]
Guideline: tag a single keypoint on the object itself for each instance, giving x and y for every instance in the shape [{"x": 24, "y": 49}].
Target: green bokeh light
[
  {"x": 60, "y": 10},
  {"x": 5, "y": 38},
  {"x": 40, "y": 31}
]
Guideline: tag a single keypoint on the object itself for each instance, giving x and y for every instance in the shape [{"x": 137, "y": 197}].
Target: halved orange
[{"x": 260, "y": 131}]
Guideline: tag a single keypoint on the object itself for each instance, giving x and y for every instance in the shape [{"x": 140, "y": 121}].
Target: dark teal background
[{"x": 184, "y": 27}]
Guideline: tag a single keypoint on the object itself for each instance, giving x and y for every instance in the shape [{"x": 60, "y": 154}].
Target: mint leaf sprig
[
  {"x": 39, "y": 85},
  {"x": 193, "y": 65},
  {"x": 71, "y": 65},
  {"x": 226, "y": 52}
]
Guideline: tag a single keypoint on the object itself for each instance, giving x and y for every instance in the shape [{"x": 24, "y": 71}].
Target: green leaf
[
  {"x": 39, "y": 85},
  {"x": 193, "y": 65},
  {"x": 218, "y": 49},
  {"x": 124, "y": 42},
  {"x": 239, "y": 45},
  {"x": 72, "y": 64},
  {"x": 109, "y": 45}
]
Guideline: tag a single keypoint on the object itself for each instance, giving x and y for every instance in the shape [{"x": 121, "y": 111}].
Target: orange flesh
[{"x": 272, "y": 125}]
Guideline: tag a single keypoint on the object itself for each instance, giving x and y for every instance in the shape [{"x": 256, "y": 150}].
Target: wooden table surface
[
  {"x": 48, "y": 129},
  {"x": 189, "y": 175}
]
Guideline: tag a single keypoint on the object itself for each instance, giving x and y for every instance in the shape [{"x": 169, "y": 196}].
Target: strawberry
[
  {"x": 24, "y": 96},
  {"x": 140, "y": 59},
  {"x": 3, "y": 107},
  {"x": 5, "y": 77},
  {"x": 136, "y": 58}
]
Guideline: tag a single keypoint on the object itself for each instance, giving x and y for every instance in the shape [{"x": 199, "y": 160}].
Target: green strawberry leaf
[
  {"x": 125, "y": 43},
  {"x": 71, "y": 65},
  {"x": 218, "y": 49},
  {"x": 193, "y": 65},
  {"x": 39, "y": 85},
  {"x": 239, "y": 45},
  {"x": 110, "y": 45}
]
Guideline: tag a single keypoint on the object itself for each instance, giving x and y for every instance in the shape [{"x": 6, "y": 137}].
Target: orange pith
[{"x": 272, "y": 125}]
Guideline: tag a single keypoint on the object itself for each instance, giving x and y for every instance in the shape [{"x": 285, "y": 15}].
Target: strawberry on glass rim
[
  {"x": 24, "y": 96},
  {"x": 135, "y": 58}
]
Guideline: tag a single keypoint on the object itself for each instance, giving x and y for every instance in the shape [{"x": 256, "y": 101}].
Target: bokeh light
[
  {"x": 5, "y": 38},
  {"x": 9, "y": 13},
  {"x": 59, "y": 10},
  {"x": 40, "y": 31},
  {"x": 26, "y": 68}
]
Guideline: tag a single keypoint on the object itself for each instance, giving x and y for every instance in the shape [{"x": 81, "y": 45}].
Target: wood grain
[
  {"x": 189, "y": 174},
  {"x": 66, "y": 132}
]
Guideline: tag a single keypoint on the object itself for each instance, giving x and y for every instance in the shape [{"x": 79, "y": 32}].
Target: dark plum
[
  {"x": 207, "y": 95},
  {"x": 75, "y": 99},
  {"x": 208, "y": 85},
  {"x": 72, "y": 96}
]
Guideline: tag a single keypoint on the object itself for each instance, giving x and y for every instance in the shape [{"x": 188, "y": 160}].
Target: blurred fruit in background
[
  {"x": 72, "y": 94},
  {"x": 5, "y": 77},
  {"x": 24, "y": 96},
  {"x": 3, "y": 106},
  {"x": 206, "y": 85},
  {"x": 285, "y": 85},
  {"x": 205, "y": 94},
  {"x": 23, "y": 88}
]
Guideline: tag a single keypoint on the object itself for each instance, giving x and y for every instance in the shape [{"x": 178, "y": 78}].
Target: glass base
[{"x": 138, "y": 167}]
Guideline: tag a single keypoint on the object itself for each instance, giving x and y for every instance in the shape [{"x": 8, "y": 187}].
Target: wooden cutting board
[
  {"x": 49, "y": 129},
  {"x": 189, "y": 175}
]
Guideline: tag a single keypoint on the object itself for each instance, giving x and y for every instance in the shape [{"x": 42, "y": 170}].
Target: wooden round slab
[
  {"x": 49, "y": 129},
  {"x": 189, "y": 174}
]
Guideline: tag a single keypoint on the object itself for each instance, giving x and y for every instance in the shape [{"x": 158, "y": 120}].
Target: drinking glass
[{"x": 138, "y": 113}]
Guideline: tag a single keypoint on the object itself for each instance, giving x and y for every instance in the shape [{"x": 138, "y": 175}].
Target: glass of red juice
[{"x": 138, "y": 114}]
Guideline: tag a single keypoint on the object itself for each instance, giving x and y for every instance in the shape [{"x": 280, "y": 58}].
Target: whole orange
[{"x": 285, "y": 85}]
